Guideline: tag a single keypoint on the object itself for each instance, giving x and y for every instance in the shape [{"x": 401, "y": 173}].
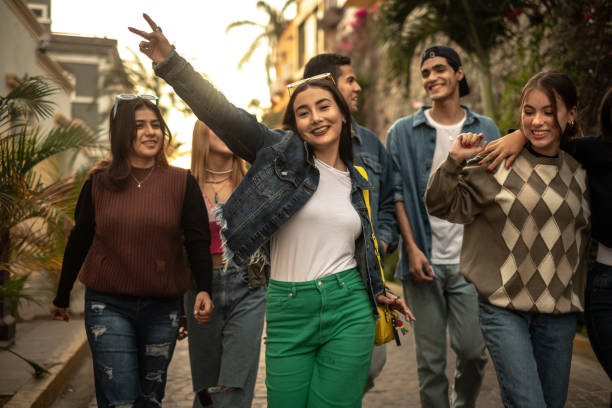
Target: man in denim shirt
[
  {"x": 435, "y": 290},
  {"x": 369, "y": 153}
]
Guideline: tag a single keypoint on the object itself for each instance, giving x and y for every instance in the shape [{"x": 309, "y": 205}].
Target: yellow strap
[{"x": 366, "y": 198}]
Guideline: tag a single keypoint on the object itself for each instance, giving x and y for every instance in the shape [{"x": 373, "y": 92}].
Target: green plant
[
  {"x": 36, "y": 206},
  {"x": 39, "y": 370},
  {"x": 477, "y": 26}
]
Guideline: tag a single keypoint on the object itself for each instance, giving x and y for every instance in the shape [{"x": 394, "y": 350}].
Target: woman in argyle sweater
[{"x": 524, "y": 243}]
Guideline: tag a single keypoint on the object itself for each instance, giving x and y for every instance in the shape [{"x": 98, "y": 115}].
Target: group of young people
[{"x": 495, "y": 254}]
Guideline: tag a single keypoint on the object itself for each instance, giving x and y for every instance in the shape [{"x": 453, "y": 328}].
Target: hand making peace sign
[{"x": 157, "y": 47}]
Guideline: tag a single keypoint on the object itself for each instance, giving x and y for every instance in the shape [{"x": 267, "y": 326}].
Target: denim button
[
  {"x": 342, "y": 283},
  {"x": 290, "y": 293},
  {"x": 320, "y": 283}
]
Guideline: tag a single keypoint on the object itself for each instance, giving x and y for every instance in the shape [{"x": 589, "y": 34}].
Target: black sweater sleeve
[
  {"x": 79, "y": 241},
  {"x": 194, "y": 222}
]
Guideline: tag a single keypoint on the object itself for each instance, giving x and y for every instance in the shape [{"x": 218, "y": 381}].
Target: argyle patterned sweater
[{"x": 526, "y": 233}]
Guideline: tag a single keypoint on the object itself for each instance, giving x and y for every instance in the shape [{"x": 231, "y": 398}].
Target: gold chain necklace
[
  {"x": 139, "y": 182},
  {"x": 212, "y": 183}
]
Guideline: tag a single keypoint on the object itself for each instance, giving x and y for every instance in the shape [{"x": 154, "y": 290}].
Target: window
[{"x": 41, "y": 11}]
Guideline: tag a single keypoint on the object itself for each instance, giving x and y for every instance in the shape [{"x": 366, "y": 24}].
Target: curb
[{"x": 41, "y": 392}]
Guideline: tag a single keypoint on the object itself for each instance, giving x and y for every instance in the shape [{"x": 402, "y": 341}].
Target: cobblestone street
[{"x": 398, "y": 384}]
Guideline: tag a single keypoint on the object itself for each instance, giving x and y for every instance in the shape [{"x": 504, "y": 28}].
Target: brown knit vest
[{"x": 138, "y": 247}]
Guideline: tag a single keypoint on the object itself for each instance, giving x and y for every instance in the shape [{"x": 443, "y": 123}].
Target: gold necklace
[{"x": 139, "y": 182}]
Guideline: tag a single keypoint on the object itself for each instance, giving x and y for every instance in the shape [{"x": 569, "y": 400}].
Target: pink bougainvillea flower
[
  {"x": 346, "y": 45},
  {"x": 513, "y": 15}
]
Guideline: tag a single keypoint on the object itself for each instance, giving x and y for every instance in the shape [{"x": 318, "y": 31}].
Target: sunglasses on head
[
  {"x": 291, "y": 87},
  {"x": 129, "y": 97}
]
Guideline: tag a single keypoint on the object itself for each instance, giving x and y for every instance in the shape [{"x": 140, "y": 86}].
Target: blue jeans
[
  {"x": 447, "y": 301},
  {"x": 598, "y": 313},
  {"x": 132, "y": 340},
  {"x": 225, "y": 352},
  {"x": 532, "y": 354}
]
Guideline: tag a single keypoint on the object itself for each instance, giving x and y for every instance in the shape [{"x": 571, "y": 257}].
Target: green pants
[{"x": 319, "y": 342}]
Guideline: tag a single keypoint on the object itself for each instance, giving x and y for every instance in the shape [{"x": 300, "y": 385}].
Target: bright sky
[{"x": 195, "y": 27}]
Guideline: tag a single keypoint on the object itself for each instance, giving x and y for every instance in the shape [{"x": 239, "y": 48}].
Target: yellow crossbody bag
[{"x": 385, "y": 325}]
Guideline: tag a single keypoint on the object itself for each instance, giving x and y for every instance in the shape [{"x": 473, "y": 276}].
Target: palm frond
[
  {"x": 23, "y": 150},
  {"x": 254, "y": 45},
  {"x": 270, "y": 11},
  {"x": 28, "y": 98},
  {"x": 242, "y": 23},
  {"x": 286, "y": 6}
]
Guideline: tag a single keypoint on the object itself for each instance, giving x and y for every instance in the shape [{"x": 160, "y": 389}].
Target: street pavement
[
  {"x": 397, "y": 386},
  {"x": 51, "y": 343}
]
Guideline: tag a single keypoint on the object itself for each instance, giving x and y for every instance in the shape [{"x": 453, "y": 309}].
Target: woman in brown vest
[
  {"x": 133, "y": 216},
  {"x": 224, "y": 355}
]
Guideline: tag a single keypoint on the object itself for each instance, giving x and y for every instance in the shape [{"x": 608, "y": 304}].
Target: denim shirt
[
  {"x": 282, "y": 177},
  {"x": 370, "y": 153},
  {"x": 411, "y": 142}
]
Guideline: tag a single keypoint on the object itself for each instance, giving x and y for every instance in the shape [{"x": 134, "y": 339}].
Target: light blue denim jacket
[
  {"x": 282, "y": 177},
  {"x": 411, "y": 142},
  {"x": 370, "y": 153}
]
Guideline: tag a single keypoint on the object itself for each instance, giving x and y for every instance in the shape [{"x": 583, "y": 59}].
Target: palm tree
[
  {"x": 34, "y": 214},
  {"x": 271, "y": 32},
  {"x": 477, "y": 26}
]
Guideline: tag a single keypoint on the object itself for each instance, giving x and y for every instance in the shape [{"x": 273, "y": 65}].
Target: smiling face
[
  {"x": 148, "y": 139},
  {"x": 439, "y": 79},
  {"x": 349, "y": 87},
  {"x": 542, "y": 127},
  {"x": 318, "y": 118}
]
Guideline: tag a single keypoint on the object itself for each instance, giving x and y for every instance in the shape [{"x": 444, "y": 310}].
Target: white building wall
[{"x": 18, "y": 47}]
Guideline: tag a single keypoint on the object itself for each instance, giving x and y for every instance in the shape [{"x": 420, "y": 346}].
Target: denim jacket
[
  {"x": 411, "y": 142},
  {"x": 282, "y": 177},
  {"x": 370, "y": 153}
]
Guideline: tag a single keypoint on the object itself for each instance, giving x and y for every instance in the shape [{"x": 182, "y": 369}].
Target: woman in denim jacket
[{"x": 300, "y": 203}]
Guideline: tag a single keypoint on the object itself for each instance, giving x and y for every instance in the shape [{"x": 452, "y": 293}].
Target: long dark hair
[
  {"x": 605, "y": 121},
  {"x": 289, "y": 122},
  {"x": 554, "y": 83},
  {"x": 122, "y": 124}
]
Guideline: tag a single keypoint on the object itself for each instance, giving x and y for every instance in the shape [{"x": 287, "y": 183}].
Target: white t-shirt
[
  {"x": 319, "y": 240},
  {"x": 446, "y": 237}
]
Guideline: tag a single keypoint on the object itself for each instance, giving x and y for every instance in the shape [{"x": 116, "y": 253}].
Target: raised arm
[
  {"x": 452, "y": 193},
  {"x": 236, "y": 127}
]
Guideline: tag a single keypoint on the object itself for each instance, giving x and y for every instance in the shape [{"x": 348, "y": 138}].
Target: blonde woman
[{"x": 224, "y": 354}]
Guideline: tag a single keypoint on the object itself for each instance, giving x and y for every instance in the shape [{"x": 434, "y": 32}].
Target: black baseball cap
[{"x": 453, "y": 59}]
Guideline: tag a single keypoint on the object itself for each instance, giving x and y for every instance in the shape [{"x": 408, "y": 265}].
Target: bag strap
[{"x": 366, "y": 198}]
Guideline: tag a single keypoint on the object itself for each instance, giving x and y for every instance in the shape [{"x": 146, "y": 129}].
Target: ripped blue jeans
[{"x": 132, "y": 339}]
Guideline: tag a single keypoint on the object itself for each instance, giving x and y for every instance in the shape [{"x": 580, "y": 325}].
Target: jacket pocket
[
  {"x": 371, "y": 163},
  {"x": 263, "y": 181}
]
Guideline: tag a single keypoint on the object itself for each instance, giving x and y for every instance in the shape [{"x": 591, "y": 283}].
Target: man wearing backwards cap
[{"x": 434, "y": 288}]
